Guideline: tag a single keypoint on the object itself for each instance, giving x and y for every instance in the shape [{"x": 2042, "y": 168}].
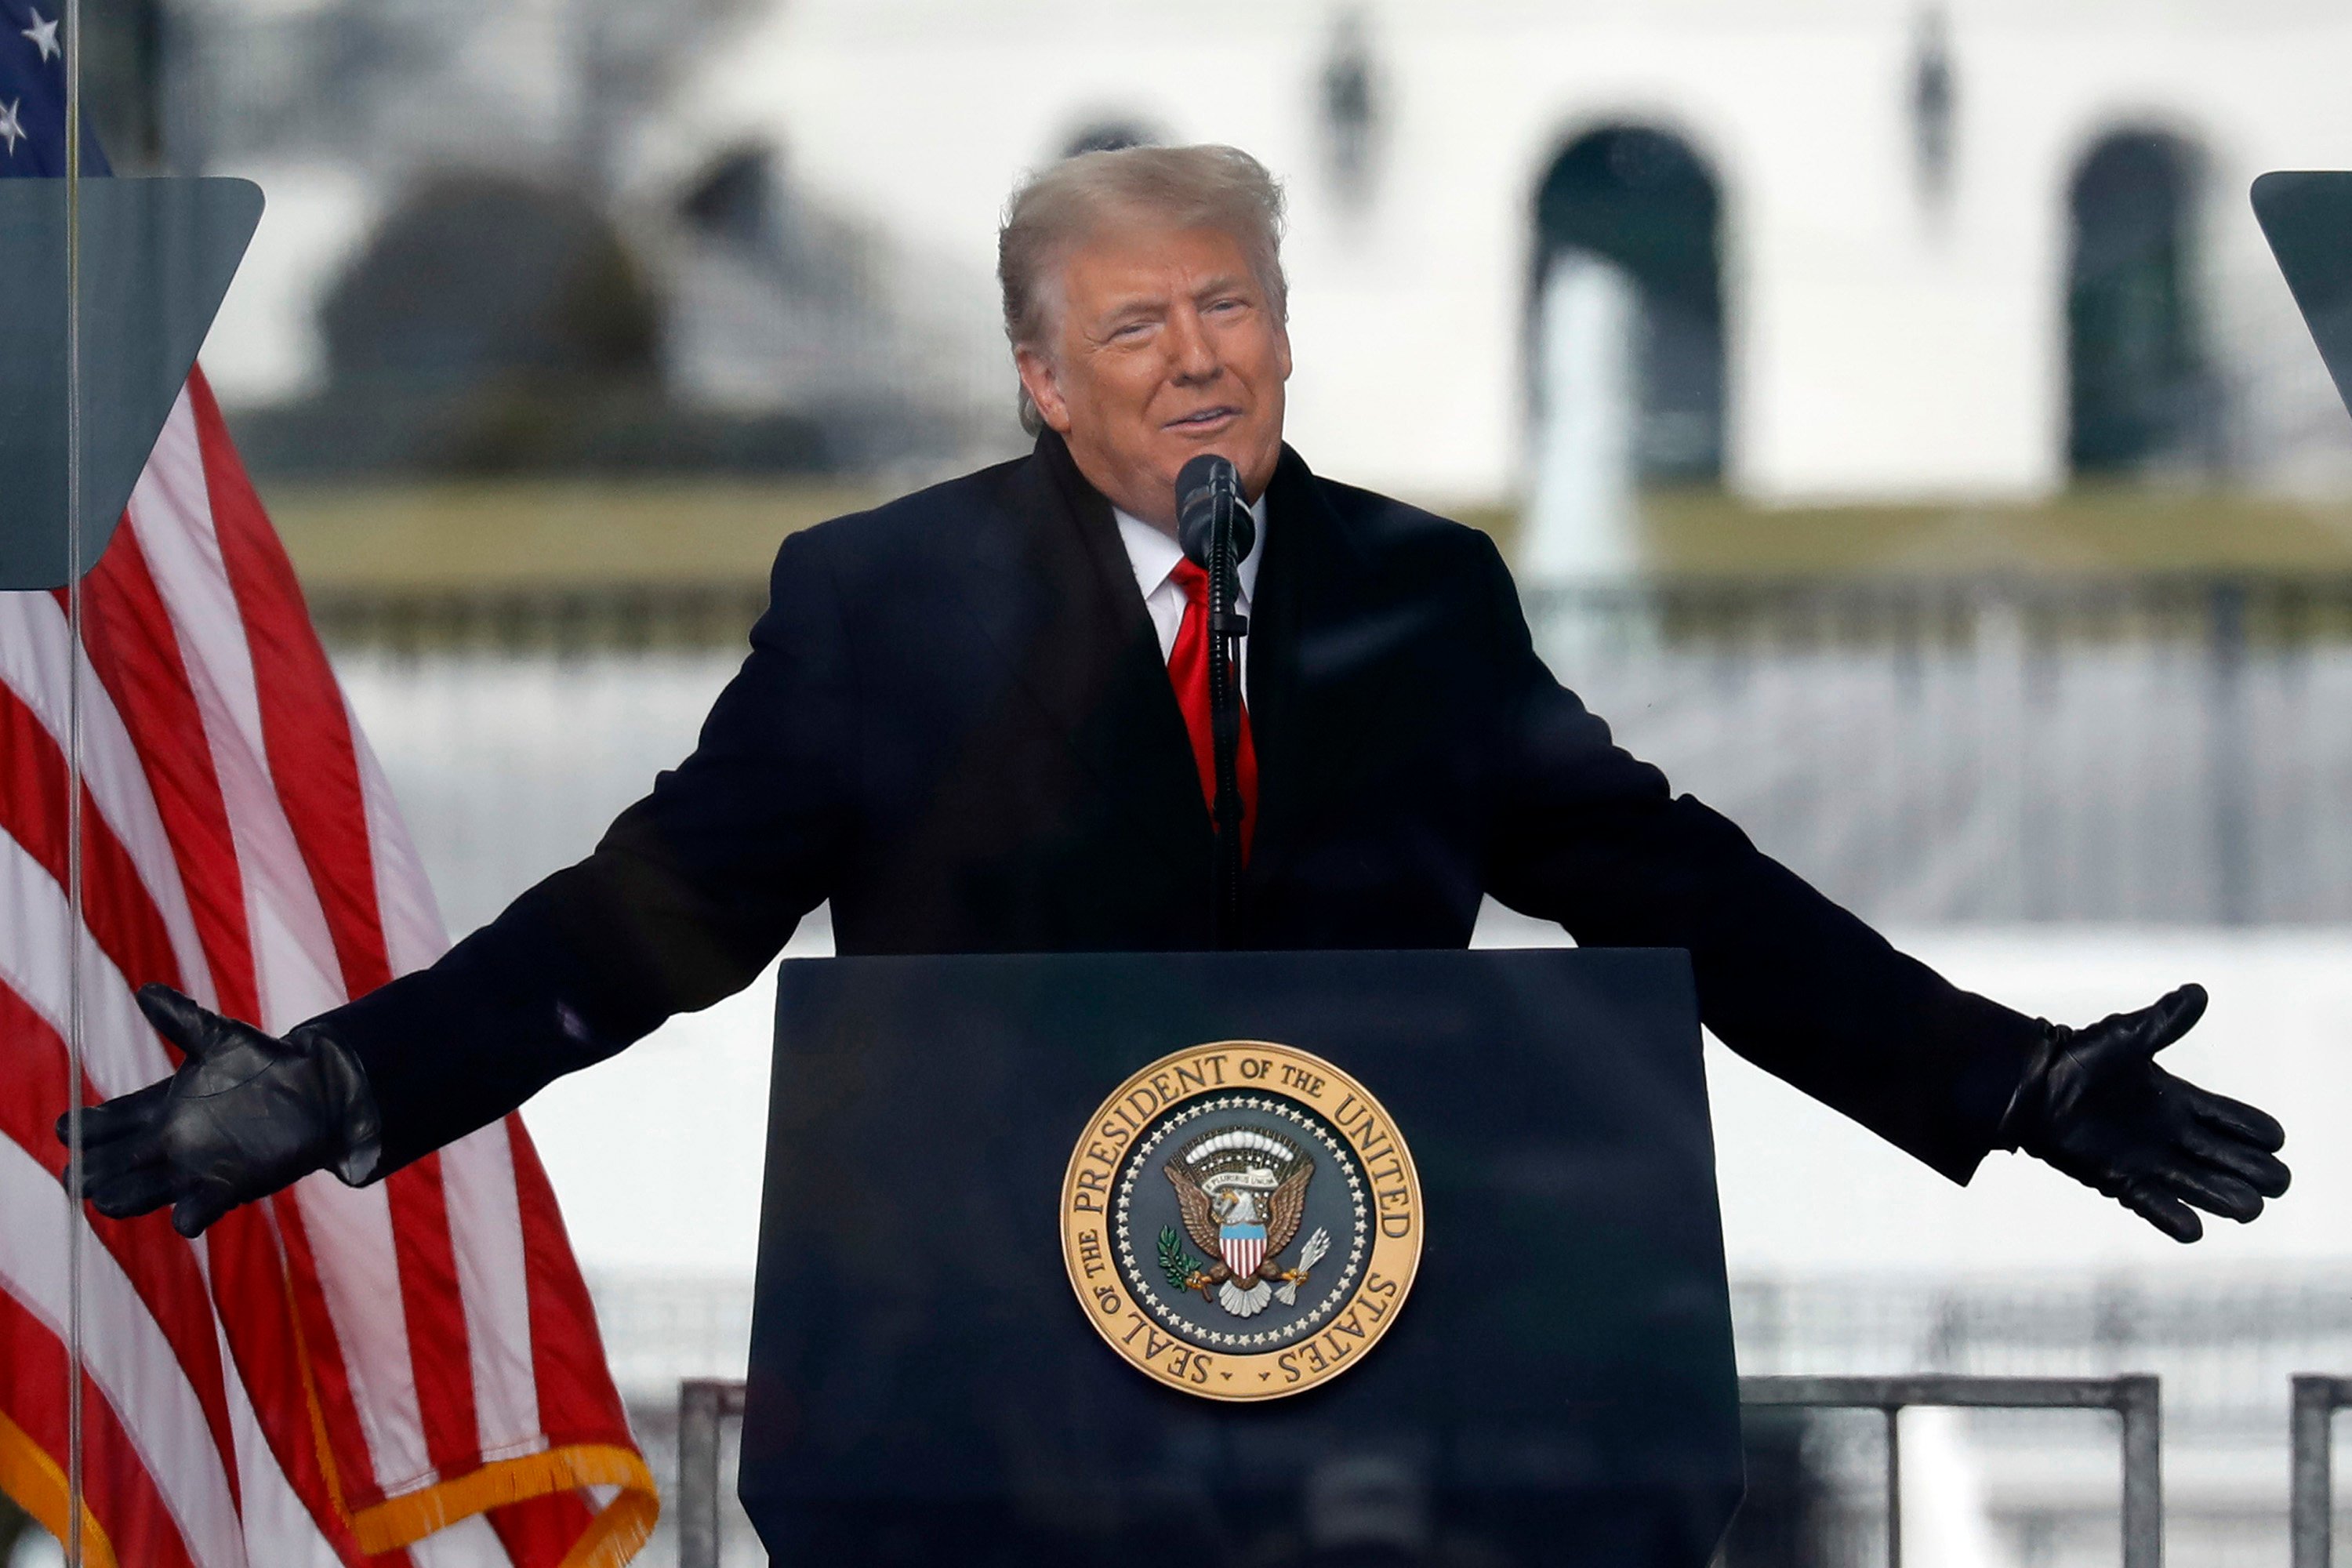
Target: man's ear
[
  {"x": 1282, "y": 348},
  {"x": 1044, "y": 391}
]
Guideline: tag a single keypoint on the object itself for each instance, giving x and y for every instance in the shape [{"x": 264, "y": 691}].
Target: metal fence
[
  {"x": 2311, "y": 1505},
  {"x": 707, "y": 1404},
  {"x": 2226, "y": 1344},
  {"x": 704, "y": 1407},
  {"x": 2135, "y": 1399},
  {"x": 2151, "y": 750}
]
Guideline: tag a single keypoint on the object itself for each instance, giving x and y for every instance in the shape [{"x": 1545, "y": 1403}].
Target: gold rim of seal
[{"x": 1088, "y": 1213}]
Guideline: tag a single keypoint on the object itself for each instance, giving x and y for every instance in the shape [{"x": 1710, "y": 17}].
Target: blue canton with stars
[{"x": 32, "y": 93}]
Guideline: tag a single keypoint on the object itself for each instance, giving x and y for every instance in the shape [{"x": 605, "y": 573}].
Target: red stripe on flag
[
  {"x": 117, "y": 1491},
  {"x": 136, "y": 657},
  {"x": 541, "y": 1529},
  {"x": 437, "y": 1347}
]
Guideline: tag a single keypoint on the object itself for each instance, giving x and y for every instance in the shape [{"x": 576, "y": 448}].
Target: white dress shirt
[{"x": 1154, "y": 556}]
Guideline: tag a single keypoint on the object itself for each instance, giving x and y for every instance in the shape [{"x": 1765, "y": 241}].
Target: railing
[
  {"x": 1989, "y": 751},
  {"x": 2134, "y": 1399},
  {"x": 706, "y": 1404},
  {"x": 2311, "y": 1498},
  {"x": 703, "y": 1406}
]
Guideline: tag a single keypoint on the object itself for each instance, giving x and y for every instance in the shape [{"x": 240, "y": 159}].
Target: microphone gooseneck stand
[{"x": 1217, "y": 531}]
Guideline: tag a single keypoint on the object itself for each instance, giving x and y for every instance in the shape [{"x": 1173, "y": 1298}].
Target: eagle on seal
[{"x": 1242, "y": 1192}]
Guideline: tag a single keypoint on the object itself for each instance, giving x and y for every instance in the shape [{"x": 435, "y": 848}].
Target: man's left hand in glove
[
  {"x": 245, "y": 1114},
  {"x": 2095, "y": 1104}
]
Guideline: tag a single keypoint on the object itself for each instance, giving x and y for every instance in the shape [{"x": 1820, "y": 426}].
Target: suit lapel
[
  {"x": 1306, "y": 589},
  {"x": 1051, "y": 585}
]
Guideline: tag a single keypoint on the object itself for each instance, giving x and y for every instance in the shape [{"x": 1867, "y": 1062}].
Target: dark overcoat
[{"x": 955, "y": 723}]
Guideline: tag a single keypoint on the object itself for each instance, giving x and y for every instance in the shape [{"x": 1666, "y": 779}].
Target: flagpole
[{"x": 74, "y": 1471}]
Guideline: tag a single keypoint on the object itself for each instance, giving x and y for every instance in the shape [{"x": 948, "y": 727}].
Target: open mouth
[{"x": 1205, "y": 419}]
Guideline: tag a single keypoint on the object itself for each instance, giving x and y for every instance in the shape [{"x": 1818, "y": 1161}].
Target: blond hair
[{"x": 1058, "y": 207}]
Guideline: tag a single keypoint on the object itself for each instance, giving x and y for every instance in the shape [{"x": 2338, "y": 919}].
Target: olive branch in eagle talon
[{"x": 1183, "y": 1269}]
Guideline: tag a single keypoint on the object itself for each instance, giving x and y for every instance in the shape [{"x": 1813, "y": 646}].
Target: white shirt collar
[{"x": 1154, "y": 554}]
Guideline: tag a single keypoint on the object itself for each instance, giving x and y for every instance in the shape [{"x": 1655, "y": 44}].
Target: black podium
[{"x": 927, "y": 1387}]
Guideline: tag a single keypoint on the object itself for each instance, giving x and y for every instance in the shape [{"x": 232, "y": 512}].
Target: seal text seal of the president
[{"x": 1242, "y": 1220}]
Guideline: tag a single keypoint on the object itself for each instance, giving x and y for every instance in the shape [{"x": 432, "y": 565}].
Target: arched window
[
  {"x": 2140, "y": 394},
  {"x": 1640, "y": 200}
]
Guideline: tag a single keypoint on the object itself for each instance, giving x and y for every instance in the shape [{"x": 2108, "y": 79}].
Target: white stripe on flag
[
  {"x": 349, "y": 1232},
  {"x": 274, "y": 1518},
  {"x": 477, "y": 1178}
]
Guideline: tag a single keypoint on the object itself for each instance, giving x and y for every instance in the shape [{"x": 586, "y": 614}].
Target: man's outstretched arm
[
  {"x": 690, "y": 895},
  {"x": 1587, "y": 836}
]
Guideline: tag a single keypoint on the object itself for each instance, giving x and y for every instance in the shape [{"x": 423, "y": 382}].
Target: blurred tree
[
  {"x": 1640, "y": 198},
  {"x": 733, "y": 200},
  {"x": 492, "y": 324},
  {"x": 484, "y": 279}
]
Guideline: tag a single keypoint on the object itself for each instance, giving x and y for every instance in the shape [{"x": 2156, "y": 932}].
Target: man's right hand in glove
[{"x": 245, "y": 1114}]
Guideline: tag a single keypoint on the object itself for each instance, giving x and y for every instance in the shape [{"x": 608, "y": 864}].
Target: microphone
[
  {"x": 1206, "y": 487},
  {"x": 1216, "y": 531}
]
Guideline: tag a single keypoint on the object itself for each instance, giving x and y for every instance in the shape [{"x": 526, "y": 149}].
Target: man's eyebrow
[{"x": 1134, "y": 308}]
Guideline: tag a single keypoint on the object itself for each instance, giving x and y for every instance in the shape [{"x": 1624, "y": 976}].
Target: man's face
[{"x": 1166, "y": 346}]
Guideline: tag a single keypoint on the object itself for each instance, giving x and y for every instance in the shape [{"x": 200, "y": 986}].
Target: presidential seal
[{"x": 1240, "y": 1220}]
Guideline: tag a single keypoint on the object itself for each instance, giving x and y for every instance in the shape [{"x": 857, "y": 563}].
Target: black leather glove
[
  {"x": 2095, "y": 1105},
  {"x": 245, "y": 1114}
]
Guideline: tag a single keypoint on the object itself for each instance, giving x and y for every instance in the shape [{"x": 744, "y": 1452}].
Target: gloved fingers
[
  {"x": 124, "y": 1116},
  {"x": 127, "y": 1195},
  {"x": 180, "y": 1019},
  {"x": 2165, "y": 1212},
  {"x": 196, "y": 1211},
  {"x": 2214, "y": 1191},
  {"x": 2236, "y": 1118},
  {"x": 2170, "y": 1018},
  {"x": 104, "y": 1162},
  {"x": 2258, "y": 1168}
]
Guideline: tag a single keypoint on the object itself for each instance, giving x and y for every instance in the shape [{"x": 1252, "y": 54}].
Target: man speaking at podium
[{"x": 977, "y": 719}]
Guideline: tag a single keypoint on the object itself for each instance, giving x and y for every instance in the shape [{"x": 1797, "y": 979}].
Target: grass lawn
[{"x": 427, "y": 535}]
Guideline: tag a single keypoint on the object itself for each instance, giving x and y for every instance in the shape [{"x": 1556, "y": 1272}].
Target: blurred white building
[
  {"x": 1882, "y": 250},
  {"x": 1874, "y": 235}
]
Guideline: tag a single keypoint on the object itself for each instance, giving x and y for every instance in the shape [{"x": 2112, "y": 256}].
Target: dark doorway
[
  {"x": 1642, "y": 200},
  {"x": 2140, "y": 395}
]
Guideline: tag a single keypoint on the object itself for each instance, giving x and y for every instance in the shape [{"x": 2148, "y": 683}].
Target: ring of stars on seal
[
  {"x": 1194, "y": 1326},
  {"x": 1240, "y": 1220}
]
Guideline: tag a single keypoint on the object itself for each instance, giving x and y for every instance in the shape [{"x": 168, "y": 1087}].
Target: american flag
[{"x": 407, "y": 1373}]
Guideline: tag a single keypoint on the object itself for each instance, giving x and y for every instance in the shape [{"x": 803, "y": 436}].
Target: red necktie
[{"x": 1187, "y": 671}]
